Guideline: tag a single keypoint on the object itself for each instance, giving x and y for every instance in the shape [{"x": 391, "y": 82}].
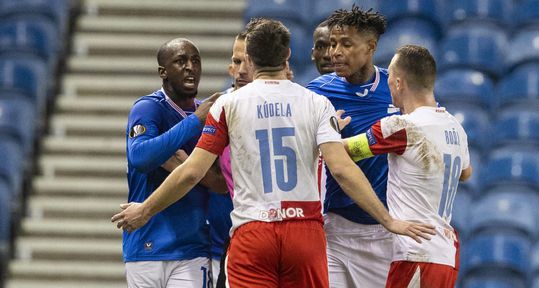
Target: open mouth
[{"x": 189, "y": 80}]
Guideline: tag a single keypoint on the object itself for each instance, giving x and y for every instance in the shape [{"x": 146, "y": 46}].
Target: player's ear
[
  {"x": 162, "y": 72},
  {"x": 289, "y": 53},
  {"x": 231, "y": 70},
  {"x": 372, "y": 45}
]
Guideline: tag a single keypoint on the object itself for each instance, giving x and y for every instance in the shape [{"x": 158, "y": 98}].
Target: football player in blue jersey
[
  {"x": 359, "y": 248},
  {"x": 174, "y": 249},
  {"x": 320, "y": 51}
]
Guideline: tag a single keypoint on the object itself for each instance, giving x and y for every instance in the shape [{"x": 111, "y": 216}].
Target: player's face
[
  {"x": 351, "y": 52},
  {"x": 320, "y": 52},
  {"x": 183, "y": 69},
  {"x": 239, "y": 69},
  {"x": 393, "y": 85}
]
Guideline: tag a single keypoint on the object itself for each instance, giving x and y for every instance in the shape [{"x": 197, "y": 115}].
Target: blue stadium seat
[
  {"x": 17, "y": 122},
  {"x": 496, "y": 254},
  {"x": 323, "y": 8},
  {"x": 494, "y": 281},
  {"x": 512, "y": 167},
  {"x": 508, "y": 211},
  {"x": 5, "y": 224},
  {"x": 297, "y": 11},
  {"x": 523, "y": 48},
  {"x": 55, "y": 10},
  {"x": 406, "y": 31},
  {"x": 476, "y": 45},
  {"x": 300, "y": 45},
  {"x": 516, "y": 127},
  {"x": 473, "y": 184},
  {"x": 497, "y": 11},
  {"x": 35, "y": 35},
  {"x": 535, "y": 263},
  {"x": 464, "y": 86},
  {"x": 397, "y": 9},
  {"x": 25, "y": 77},
  {"x": 11, "y": 170},
  {"x": 461, "y": 211},
  {"x": 520, "y": 88},
  {"x": 475, "y": 122},
  {"x": 527, "y": 12}
]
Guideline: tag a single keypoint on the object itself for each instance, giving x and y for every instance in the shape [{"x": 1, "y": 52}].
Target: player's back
[
  {"x": 423, "y": 180},
  {"x": 274, "y": 131}
]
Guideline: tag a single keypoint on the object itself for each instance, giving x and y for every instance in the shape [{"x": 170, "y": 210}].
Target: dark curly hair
[{"x": 369, "y": 21}]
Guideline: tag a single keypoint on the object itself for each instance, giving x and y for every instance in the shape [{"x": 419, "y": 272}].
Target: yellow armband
[{"x": 358, "y": 147}]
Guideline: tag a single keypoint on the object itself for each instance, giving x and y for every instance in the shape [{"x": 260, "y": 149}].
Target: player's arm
[
  {"x": 352, "y": 180},
  {"x": 213, "y": 179},
  {"x": 175, "y": 186},
  {"x": 466, "y": 173}
]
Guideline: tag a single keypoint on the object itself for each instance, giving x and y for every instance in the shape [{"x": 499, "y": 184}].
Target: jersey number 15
[{"x": 284, "y": 183}]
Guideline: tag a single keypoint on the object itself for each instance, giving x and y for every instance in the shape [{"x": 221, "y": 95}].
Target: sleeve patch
[{"x": 137, "y": 130}]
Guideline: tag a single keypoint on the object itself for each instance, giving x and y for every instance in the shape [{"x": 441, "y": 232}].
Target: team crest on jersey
[
  {"x": 137, "y": 130},
  {"x": 209, "y": 129}
]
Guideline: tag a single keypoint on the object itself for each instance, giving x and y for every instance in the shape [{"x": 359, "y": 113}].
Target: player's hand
[
  {"x": 416, "y": 231},
  {"x": 131, "y": 218},
  {"x": 342, "y": 122},
  {"x": 204, "y": 108}
]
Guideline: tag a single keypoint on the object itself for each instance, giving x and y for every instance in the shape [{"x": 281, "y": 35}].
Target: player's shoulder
[
  {"x": 326, "y": 81},
  {"x": 149, "y": 104}
]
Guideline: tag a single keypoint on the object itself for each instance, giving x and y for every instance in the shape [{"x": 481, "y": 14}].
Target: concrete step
[
  {"x": 136, "y": 65},
  {"x": 41, "y": 207},
  {"x": 103, "y": 188},
  {"x": 170, "y": 26},
  {"x": 94, "y": 105},
  {"x": 81, "y": 165},
  {"x": 79, "y": 145},
  {"x": 143, "y": 44},
  {"x": 21, "y": 283},
  {"x": 130, "y": 86},
  {"x": 71, "y": 227},
  {"x": 179, "y": 9},
  {"x": 88, "y": 125},
  {"x": 67, "y": 270},
  {"x": 41, "y": 248}
]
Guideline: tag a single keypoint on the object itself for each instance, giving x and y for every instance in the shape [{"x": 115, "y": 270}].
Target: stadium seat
[
  {"x": 475, "y": 45},
  {"x": 494, "y": 281},
  {"x": 17, "y": 122},
  {"x": 464, "y": 86},
  {"x": 527, "y": 12},
  {"x": 300, "y": 45},
  {"x": 496, "y": 11},
  {"x": 535, "y": 260},
  {"x": 508, "y": 211},
  {"x": 520, "y": 88},
  {"x": 406, "y": 31},
  {"x": 11, "y": 170},
  {"x": 512, "y": 167},
  {"x": 473, "y": 184},
  {"x": 394, "y": 10},
  {"x": 461, "y": 211},
  {"x": 516, "y": 127},
  {"x": 35, "y": 35},
  {"x": 55, "y": 10},
  {"x": 496, "y": 254},
  {"x": 323, "y": 8},
  {"x": 25, "y": 77},
  {"x": 5, "y": 225},
  {"x": 474, "y": 121},
  {"x": 523, "y": 48},
  {"x": 297, "y": 11}
]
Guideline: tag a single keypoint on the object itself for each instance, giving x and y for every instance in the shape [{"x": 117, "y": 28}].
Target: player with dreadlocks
[{"x": 359, "y": 248}]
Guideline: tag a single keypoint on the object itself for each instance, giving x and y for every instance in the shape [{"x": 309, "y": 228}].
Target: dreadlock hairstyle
[{"x": 368, "y": 21}]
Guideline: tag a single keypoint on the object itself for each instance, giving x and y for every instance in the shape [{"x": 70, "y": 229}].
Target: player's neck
[
  {"x": 362, "y": 76},
  {"x": 183, "y": 101},
  {"x": 412, "y": 102},
  {"x": 274, "y": 75}
]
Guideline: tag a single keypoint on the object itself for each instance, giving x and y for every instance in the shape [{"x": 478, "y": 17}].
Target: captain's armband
[{"x": 358, "y": 147}]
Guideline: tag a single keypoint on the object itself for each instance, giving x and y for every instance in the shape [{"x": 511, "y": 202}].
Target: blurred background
[{"x": 71, "y": 69}]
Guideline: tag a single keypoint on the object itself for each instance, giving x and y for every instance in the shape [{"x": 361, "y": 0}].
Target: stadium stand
[{"x": 519, "y": 88}]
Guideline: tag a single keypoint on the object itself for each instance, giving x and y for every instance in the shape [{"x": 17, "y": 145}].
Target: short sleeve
[
  {"x": 386, "y": 136},
  {"x": 214, "y": 137},
  {"x": 326, "y": 131}
]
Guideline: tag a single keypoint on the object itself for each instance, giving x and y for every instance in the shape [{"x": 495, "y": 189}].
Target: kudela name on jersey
[{"x": 276, "y": 109}]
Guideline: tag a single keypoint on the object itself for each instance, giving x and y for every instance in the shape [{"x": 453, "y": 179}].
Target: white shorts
[
  {"x": 358, "y": 255},
  {"x": 194, "y": 273},
  {"x": 215, "y": 269}
]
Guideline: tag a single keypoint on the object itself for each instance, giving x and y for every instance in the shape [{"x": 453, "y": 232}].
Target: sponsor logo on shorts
[
  {"x": 281, "y": 213},
  {"x": 209, "y": 129}
]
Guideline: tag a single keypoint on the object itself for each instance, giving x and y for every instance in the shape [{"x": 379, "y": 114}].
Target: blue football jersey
[
  {"x": 366, "y": 104},
  {"x": 155, "y": 131}
]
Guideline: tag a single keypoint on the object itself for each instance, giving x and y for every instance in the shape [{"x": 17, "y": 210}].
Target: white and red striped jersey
[
  {"x": 274, "y": 128},
  {"x": 428, "y": 151}
]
